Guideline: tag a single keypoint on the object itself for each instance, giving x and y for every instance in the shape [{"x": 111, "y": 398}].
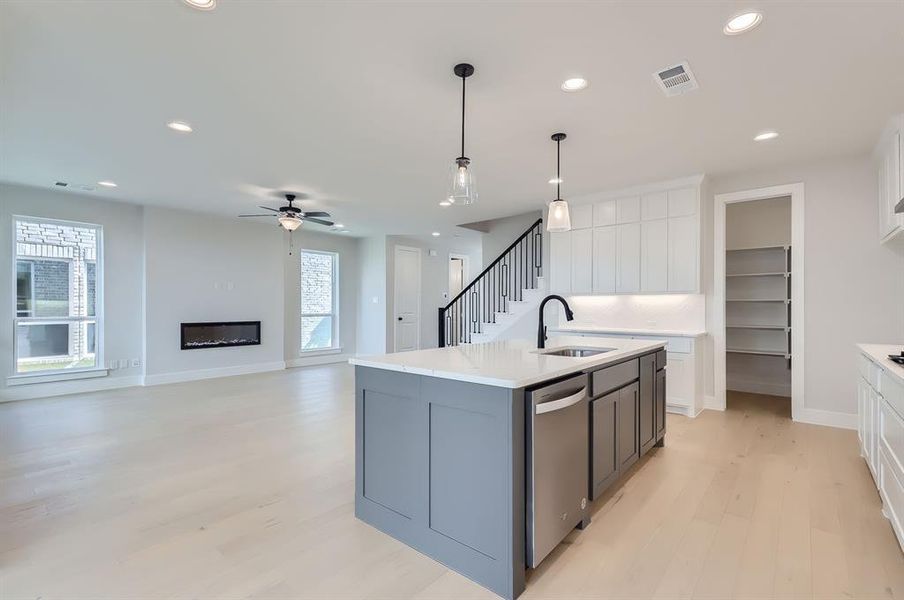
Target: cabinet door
[
  {"x": 660, "y": 403},
  {"x": 581, "y": 261},
  {"x": 862, "y": 396},
  {"x": 647, "y": 398},
  {"x": 627, "y": 210},
  {"x": 626, "y": 414},
  {"x": 605, "y": 250},
  {"x": 560, "y": 262},
  {"x": 890, "y": 186},
  {"x": 628, "y": 258},
  {"x": 654, "y": 256},
  {"x": 682, "y": 202},
  {"x": 654, "y": 206},
  {"x": 603, "y": 448},
  {"x": 683, "y": 256},
  {"x": 581, "y": 216},
  {"x": 605, "y": 213}
]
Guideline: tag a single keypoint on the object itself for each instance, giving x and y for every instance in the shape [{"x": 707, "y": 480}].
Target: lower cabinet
[
  {"x": 880, "y": 419},
  {"x": 627, "y": 421}
]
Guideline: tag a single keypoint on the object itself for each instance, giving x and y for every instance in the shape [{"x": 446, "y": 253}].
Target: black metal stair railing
[{"x": 503, "y": 281}]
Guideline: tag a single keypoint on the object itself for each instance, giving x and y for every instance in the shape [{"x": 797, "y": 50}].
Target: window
[
  {"x": 319, "y": 299},
  {"x": 58, "y": 296}
]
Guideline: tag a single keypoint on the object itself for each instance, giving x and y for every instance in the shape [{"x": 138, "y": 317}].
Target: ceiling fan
[{"x": 290, "y": 216}]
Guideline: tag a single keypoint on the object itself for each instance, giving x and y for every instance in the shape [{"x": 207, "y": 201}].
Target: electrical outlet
[{"x": 136, "y": 362}]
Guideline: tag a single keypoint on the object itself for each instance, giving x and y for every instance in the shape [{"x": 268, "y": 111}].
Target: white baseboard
[
  {"x": 829, "y": 418},
  {"x": 681, "y": 409},
  {"x": 180, "y": 376},
  {"x": 709, "y": 403},
  {"x": 63, "y": 388},
  {"x": 322, "y": 359}
]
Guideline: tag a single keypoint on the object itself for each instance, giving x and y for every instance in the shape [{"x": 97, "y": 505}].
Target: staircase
[{"x": 510, "y": 287}]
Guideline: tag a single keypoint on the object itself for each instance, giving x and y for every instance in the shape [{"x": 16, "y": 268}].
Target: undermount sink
[{"x": 575, "y": 352}]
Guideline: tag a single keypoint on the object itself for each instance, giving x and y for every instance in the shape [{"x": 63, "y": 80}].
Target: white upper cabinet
[
  {"x": 628, "y": 210},
  {"x": 582, "y": 261},
  {"x": 627, "y": 258},
  {"x": 605, "y": 251},
  {"x": 605, "y": 213},
  {"x": 654, "y": 206},
  {"x": 890, "y": 158},
  {"x": 654, "y": 255},
  {"x": 644, "y": 240},
  {"x": 581, "y": 216}
]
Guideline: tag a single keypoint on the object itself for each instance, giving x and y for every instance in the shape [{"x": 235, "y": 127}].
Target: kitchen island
[{"x": 464, "y": 453}]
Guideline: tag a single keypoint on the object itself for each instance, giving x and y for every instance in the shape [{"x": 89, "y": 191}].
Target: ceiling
[{"x": 355, "y": 104}]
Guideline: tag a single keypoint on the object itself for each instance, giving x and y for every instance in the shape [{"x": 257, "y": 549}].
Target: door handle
[
  {"x": 561, "y": 403},
  {"x": 400, "y": 318}
]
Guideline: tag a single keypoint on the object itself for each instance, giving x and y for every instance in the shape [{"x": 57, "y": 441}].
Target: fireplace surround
[{"x": 220, "y": 334}]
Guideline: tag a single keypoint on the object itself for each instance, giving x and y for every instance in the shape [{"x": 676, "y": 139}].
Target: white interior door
[{"x": 407, "y": 298}]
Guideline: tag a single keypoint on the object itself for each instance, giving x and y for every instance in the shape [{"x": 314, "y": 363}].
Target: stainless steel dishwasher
[{"x": 557, "y": 464}]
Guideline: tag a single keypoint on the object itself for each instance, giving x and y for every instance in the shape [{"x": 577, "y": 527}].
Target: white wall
[
  {"x": 498, "y": 234},
  {"x": 203, "y": 268},
  {"x": 349, "y": 276},
  {"x": 853, "y": 285},
  {"x": 122, "y": 281},
  {"x": 758, "y": 223},
  {"x": 372, "y": 300},
  {"x": 434, "y": 277}
]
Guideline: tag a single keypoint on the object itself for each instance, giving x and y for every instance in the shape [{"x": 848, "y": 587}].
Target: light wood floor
[{"x": 243, "y": 487}]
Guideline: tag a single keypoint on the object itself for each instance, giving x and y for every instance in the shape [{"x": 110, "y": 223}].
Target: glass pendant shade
[
  {"x": 463, "y": 185},
  {"x": 289, "y": 223},
  {"x": 559, "y": 219}
]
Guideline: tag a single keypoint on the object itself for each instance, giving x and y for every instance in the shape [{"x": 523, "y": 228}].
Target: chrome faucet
[{"x": 541, "y": 329}]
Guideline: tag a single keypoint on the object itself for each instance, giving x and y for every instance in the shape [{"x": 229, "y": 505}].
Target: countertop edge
[
  {"x": 880, "y": 357},
  {"x": 616, "y": 330},
  {"x": 590, "y": 363}
]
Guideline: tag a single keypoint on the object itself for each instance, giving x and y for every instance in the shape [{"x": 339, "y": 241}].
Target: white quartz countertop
[
  {"x": 879, "y": 355},
  {"x": 510, "y": 363},
  {"x": 576, "y": 327}
]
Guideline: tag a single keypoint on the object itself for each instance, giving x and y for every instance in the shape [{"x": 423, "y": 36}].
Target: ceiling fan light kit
[
  {"x": 559, "y": 218},
  {"x": 463, "y": 184},
  {"x": 290, "y": 217}
]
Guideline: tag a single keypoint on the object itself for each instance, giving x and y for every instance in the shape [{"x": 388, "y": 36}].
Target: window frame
[
  {"x": 334, "y": 315},
  {"x": 97, "y": 318}
]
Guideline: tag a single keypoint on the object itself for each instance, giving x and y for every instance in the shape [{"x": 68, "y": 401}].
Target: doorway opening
[
  {"x": 458, "y": 273},
  {"x": 758, "y": 279}
]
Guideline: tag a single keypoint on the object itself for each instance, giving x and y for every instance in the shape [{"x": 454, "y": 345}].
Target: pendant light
[
  {"x": 463, "y": 186},
  {"x": 559, "y": 219}
]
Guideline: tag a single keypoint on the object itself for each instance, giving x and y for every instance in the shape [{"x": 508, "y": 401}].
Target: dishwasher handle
[{"x": 561, "y": 403}]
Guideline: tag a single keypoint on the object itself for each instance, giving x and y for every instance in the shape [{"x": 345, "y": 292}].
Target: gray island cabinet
[{"x": 443, "y": 443}]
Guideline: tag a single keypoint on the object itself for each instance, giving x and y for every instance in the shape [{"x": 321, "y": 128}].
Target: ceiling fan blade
[
  {"x": 268, "y": 208},
  {"x": 263, "y": 215},
  {"x": 320, "y": 221},
  {"x": 316, "y": 213}
]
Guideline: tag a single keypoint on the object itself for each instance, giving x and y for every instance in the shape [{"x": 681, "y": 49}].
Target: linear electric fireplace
[{"x": 221, "y": 334}]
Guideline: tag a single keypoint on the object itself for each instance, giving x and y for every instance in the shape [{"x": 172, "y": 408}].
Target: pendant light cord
[
  {"x": 558, "y": 170},
  {"x": 463, "y": 80}
]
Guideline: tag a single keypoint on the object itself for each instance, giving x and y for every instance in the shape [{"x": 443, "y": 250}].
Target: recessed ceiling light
[
  {"x": 575, "y": 84},
  {"x": 742, "y": 22},
  {"x": 201, "y": 4},
  {"x": 180, "y": 126},
  {"x": 435, "y": 234},
  {"x": 108, "y": 184},
  {"x": 556, "y": 180},
  {"x": 338, "y": 225},
  {"x": 766, "y": 135},
  {"x": 445, "y": 203}
]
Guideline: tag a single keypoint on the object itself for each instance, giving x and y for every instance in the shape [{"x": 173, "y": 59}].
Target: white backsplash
[{"x": 685, "y": 312}]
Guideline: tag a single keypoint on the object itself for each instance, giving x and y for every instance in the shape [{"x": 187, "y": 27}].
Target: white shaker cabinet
[
  {"x": 654, "y": 255},
  {"x": 644, "y": 240},
  {"x": 627, "y": 256},
  {"x": 605, "y": 249},
  {"x": 582, "y": 261}
]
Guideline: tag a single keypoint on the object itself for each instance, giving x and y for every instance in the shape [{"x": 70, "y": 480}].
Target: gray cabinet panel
[
  {"x": 604, "y": 450},
  {"x": 626, "y": 414},
  {"x": 660, "y": 405},
  {"x": 465, "y": 455},
  {"x": 391, "y": 435},
  {"x": 647, "y": 416},
  {"x": 614, "y": 377}
]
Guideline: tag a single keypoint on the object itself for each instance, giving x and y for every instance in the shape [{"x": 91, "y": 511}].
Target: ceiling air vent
[{"x": 676, "y": 80}]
